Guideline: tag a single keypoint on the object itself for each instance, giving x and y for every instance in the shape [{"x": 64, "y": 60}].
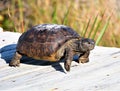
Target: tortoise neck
[
  {"x": 78, "y": 46},
  {"x": 74, "y": 45}
]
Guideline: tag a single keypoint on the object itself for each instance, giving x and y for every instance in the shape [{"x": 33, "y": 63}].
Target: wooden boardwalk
[{"x": 102, "y": 73}]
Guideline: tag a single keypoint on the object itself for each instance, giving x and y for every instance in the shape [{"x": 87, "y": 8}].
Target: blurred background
[{"x": 96, "y": 19}]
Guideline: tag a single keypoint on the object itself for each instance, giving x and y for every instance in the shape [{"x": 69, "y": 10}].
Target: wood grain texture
[{"x": 102, "y": 73}]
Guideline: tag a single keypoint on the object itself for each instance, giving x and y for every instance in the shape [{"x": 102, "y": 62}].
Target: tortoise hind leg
[{"x": 15, "y": 60}]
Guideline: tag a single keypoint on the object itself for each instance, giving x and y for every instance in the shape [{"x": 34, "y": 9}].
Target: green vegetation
[{"x": 91, "y": 19}]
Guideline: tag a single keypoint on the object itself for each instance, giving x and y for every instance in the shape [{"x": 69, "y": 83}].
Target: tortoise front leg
[
  {"x": 15, "y": 60},
  {"x": 84, "y": 58},
  {"x": 68, "y": 59}
]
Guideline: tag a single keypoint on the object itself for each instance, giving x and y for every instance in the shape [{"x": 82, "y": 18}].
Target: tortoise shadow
[
  {"x": 7, "y": 52},
  {"x": 30, "y": 61}
]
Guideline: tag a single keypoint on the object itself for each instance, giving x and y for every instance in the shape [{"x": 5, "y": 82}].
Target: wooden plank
[{"x": 102, "y": 73}]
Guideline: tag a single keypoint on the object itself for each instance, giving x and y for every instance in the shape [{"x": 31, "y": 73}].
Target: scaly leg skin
[
  {"x": 67, "y": 65},
  {"x": 68, "y": 59},
  {"x": 15, "y": 60},
  {"x": 84, "y": 57}
]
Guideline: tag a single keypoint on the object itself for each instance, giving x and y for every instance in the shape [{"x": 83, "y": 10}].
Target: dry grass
[{"x": 20, "y": 15}]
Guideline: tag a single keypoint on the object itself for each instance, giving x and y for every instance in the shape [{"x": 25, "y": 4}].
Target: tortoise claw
[
  {"x": 14, "y": 64},
  {"x": 83, "y": 60},
  {"x": 67, "y": 66}
]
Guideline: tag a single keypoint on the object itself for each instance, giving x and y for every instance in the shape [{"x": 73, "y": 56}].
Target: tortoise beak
[{"x": 92, "y": 44}]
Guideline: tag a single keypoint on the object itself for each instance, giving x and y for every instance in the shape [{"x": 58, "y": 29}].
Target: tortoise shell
[{"x": 44, "y": 40}]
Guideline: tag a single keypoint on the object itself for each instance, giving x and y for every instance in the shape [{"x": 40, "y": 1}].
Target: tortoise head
[{"x": 86, "y": 44}]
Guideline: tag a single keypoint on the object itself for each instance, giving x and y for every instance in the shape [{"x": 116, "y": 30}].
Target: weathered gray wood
[{"x": 102, "y": 73}]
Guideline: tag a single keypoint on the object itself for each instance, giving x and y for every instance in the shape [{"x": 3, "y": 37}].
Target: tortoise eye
[{"x": 88, "y": 42}]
